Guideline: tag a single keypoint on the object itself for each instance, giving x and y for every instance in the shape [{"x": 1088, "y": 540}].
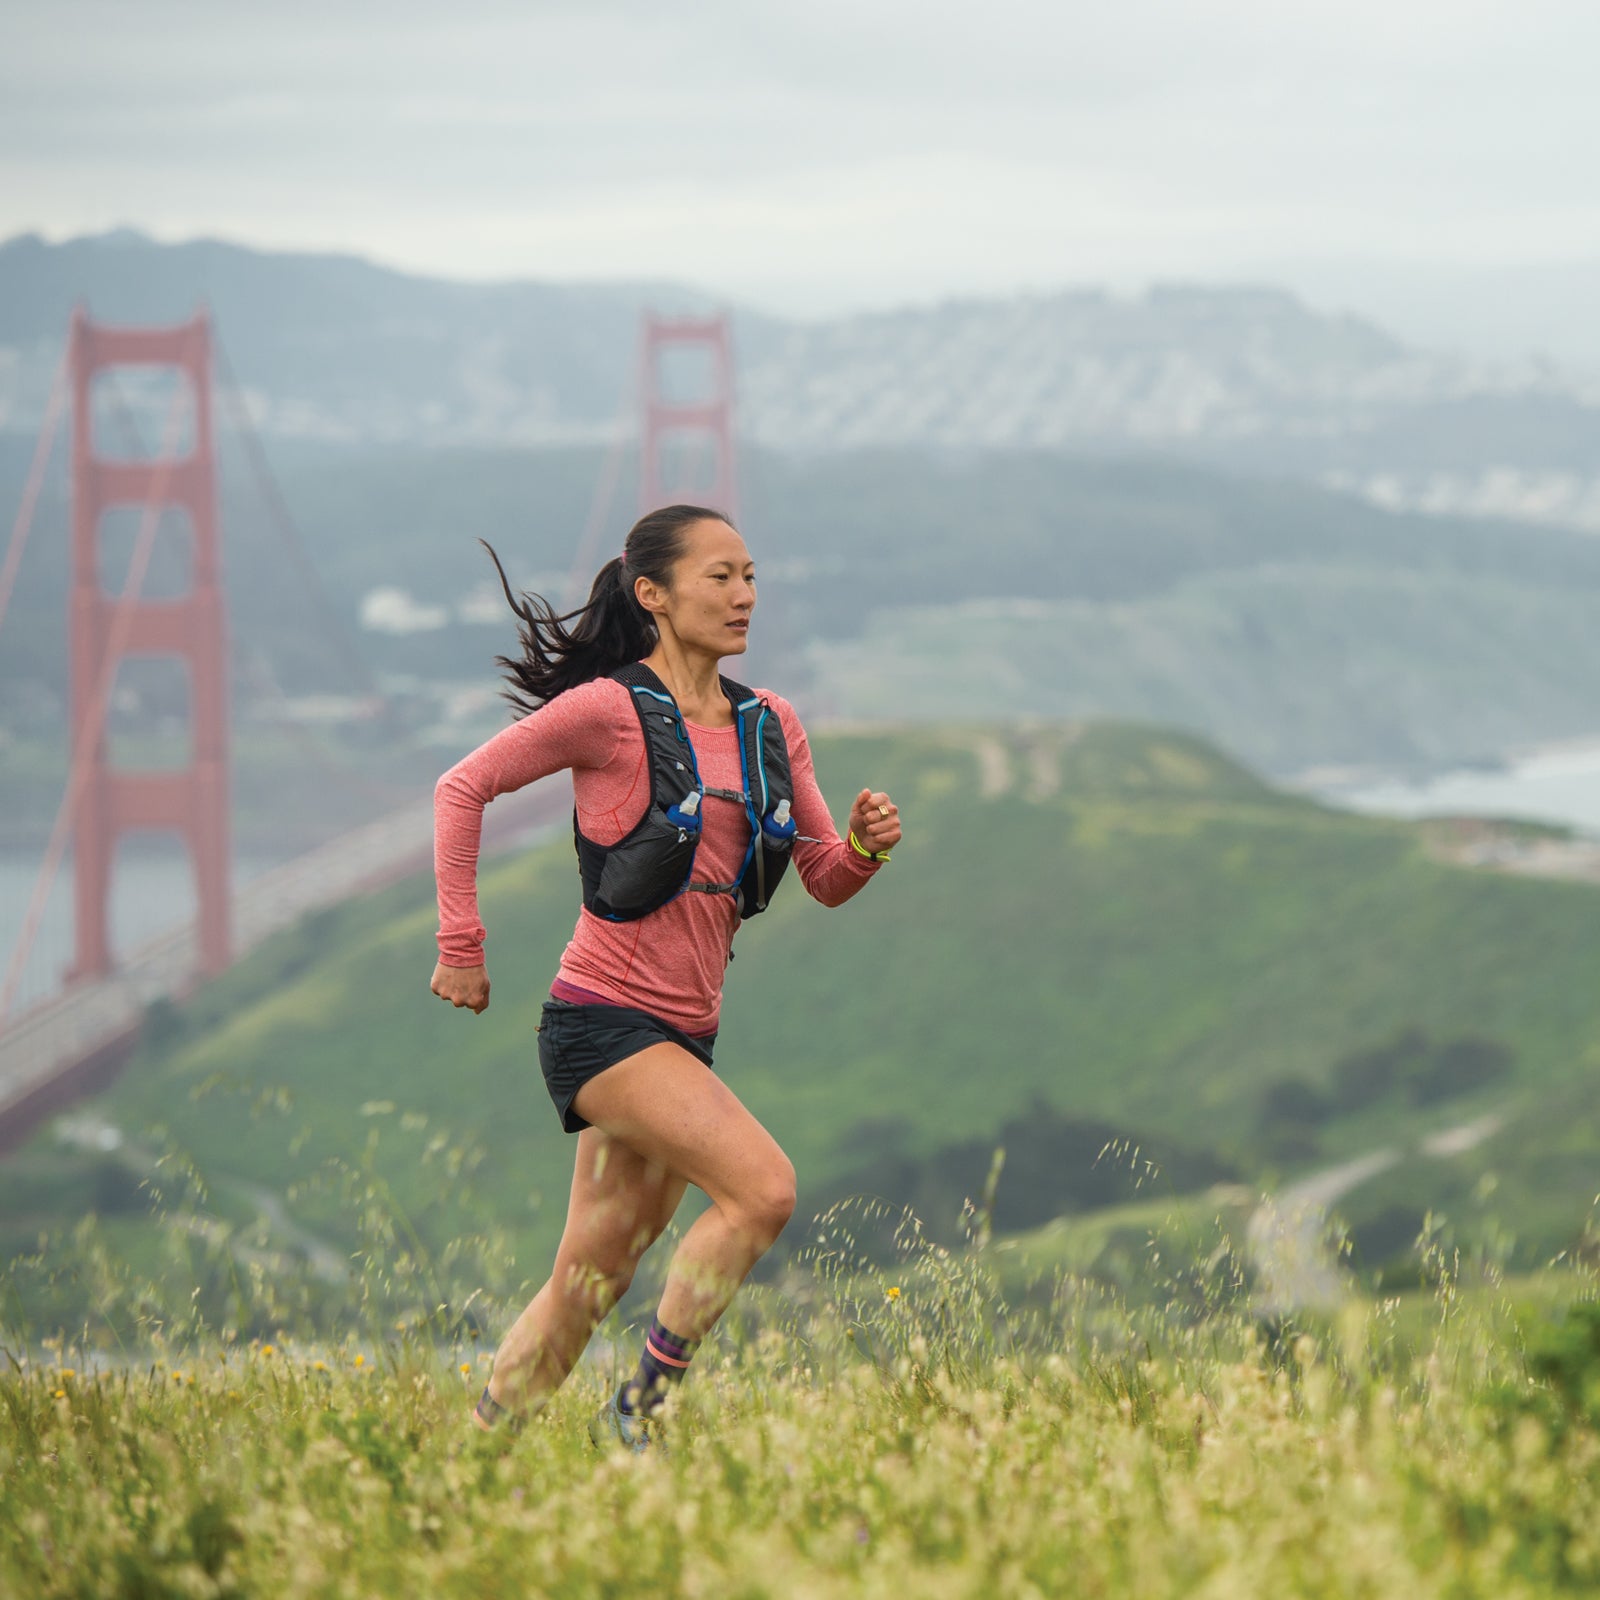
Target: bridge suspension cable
[
  {"x": 255, "y": 665},
  {"x": 35, "y": 481},
  {"x": 585, "y": 558},
  {"x": 283, "y": 521}
]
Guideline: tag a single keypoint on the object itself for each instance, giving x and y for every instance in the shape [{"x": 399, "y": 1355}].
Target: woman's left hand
[{"x": 875, "y": 821}]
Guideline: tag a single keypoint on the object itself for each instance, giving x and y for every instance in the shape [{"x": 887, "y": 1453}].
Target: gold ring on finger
[{"x": 883, "y": 811}]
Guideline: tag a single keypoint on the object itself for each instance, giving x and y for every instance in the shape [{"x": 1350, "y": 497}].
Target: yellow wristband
[{"x": 861, "y": 850}]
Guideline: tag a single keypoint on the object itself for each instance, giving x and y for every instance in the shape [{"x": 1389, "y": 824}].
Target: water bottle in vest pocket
[{"x": 778, "y": 827}]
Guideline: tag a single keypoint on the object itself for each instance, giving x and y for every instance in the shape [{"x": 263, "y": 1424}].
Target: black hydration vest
[{"x": 654, "y": 863}]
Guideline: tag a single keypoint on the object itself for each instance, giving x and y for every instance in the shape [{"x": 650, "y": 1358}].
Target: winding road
[{"x": 1296, "y": 1263}]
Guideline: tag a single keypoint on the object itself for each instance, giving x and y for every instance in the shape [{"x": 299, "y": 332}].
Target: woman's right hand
[{"x": 462, "y": 986}]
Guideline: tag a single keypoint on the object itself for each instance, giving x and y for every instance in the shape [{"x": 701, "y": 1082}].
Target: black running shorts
[{"x": 578, "y": 1042}]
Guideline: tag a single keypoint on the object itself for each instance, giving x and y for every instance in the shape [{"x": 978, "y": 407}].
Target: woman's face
[{"x": 713, "y": 590}]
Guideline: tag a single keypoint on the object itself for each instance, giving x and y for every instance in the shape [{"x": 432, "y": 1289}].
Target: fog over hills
[{"x": 1250, "y": 379}]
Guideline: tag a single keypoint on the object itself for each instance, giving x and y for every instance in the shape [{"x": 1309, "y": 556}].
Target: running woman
[{"x": 684, "y": 825}]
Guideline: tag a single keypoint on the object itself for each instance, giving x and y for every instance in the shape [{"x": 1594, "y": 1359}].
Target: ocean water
[
  {"x": 152, "y": 893},
  {"x": 1560, "y": 784}
]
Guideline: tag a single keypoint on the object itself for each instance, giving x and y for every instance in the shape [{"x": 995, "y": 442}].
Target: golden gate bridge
[{"x": 69, "y": 1038}]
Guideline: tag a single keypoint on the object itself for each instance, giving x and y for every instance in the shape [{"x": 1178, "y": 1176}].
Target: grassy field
[
  {"x": 1090, "y": 936},
  {"x": 853, "y": 1433}
]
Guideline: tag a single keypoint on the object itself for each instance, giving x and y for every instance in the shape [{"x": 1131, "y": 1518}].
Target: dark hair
[{"x": 610, "y": 629}]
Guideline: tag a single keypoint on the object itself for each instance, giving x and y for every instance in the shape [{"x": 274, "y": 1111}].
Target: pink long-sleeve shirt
[{"x": 669, "y": 963}]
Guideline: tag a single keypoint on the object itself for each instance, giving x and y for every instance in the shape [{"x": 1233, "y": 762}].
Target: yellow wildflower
[
  {"x": 319, "y": 1366},
  {"x": 361, "y": 1361},
  {"x": 266, "y": 1349},
  {"x": 892, "y": 1292},
  {"x": 68, "y": 1372},
  {"x": 466, "y": 1367},
  {"x": 61, "y": 1394}
]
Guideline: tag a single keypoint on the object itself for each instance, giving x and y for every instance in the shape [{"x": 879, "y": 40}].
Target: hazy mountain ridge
[
  {"x": 1178, "y": 363},
  {"x": 338, "y": 349},
  {"x": 1295, "y": 627}
]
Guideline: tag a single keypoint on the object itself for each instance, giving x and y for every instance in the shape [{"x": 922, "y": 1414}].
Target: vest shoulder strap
[
  {"x": 737, "y": 693},
  {"x": 636, "y": 675}
]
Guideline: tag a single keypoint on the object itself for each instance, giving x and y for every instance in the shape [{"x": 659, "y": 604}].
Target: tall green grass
[{"x": 887, "y": 1419}]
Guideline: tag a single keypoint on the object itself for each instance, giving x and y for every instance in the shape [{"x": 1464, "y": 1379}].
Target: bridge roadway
[{"x": 73, "y": 1043}]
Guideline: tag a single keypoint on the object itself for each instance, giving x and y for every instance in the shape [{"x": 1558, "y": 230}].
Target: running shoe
[{"x": 611, "y": 1425}]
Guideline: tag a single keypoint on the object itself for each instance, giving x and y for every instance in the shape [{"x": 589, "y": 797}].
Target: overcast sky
[{"x": 830, "y": 155}]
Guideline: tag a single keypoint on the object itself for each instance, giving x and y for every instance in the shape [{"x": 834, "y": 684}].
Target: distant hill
[
  {"x": 1292, "y": 626},
  {"x": 1089, "y": 932},
  {"x": 338, "y": 349}
]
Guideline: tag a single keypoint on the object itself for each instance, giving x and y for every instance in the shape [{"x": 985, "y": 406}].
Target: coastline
[{"x": 1554, "y": 782}]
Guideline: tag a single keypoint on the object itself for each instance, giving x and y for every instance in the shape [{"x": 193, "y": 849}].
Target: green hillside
[{"x": 1088, "y": 933}]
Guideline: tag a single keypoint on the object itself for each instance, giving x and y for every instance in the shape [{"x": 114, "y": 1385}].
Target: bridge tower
[
  {"x": 105, "y": 629},
  {"x": 674, "y": 432}
]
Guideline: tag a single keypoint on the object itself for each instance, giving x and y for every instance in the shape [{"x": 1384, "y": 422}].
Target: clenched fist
[
  {"x": 465, "y": 986},
  {"x": 875, "y": 821}
]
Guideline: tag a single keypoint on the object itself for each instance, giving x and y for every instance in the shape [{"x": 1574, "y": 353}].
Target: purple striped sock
[
  {"x": 488, "y": 1410},
  {"x": 662, "y": 1364}
]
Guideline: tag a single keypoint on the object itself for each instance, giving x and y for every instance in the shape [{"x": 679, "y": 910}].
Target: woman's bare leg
[
  {"x": 678, "y": 1117},
  {"x": 621, "y": 1202}
]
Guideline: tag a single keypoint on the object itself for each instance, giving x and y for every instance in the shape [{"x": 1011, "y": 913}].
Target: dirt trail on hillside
[
  {"x": 1044, "y": 759},
  {"x": 1039, "y": 750},
  {"x": 322, "y": 1260},
  {"x": 1289, "y": 1237},
  {"x": 994, "y": 766}
]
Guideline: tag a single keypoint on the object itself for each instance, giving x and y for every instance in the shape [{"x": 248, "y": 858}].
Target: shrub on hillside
[
  {"x": 1290, "y": 1112},
  {"x": 1561, "y": 1354},
  {"x": 1564, "y": 1354},
  {"x": 1422, "y": 1070},
  {"x": 1388, "y": 1242},
  {"x": 116, "y": 1189},
  {"x": 165, "y": 1026},
  {"x": 1367, "y": 1075},
  {"x": 1456, "y": 1067},
  {"x": 1054, "y": 1164}
]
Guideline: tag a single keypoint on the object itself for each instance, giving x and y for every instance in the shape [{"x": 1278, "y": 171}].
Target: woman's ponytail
[{"x": 611, "y": 629}]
